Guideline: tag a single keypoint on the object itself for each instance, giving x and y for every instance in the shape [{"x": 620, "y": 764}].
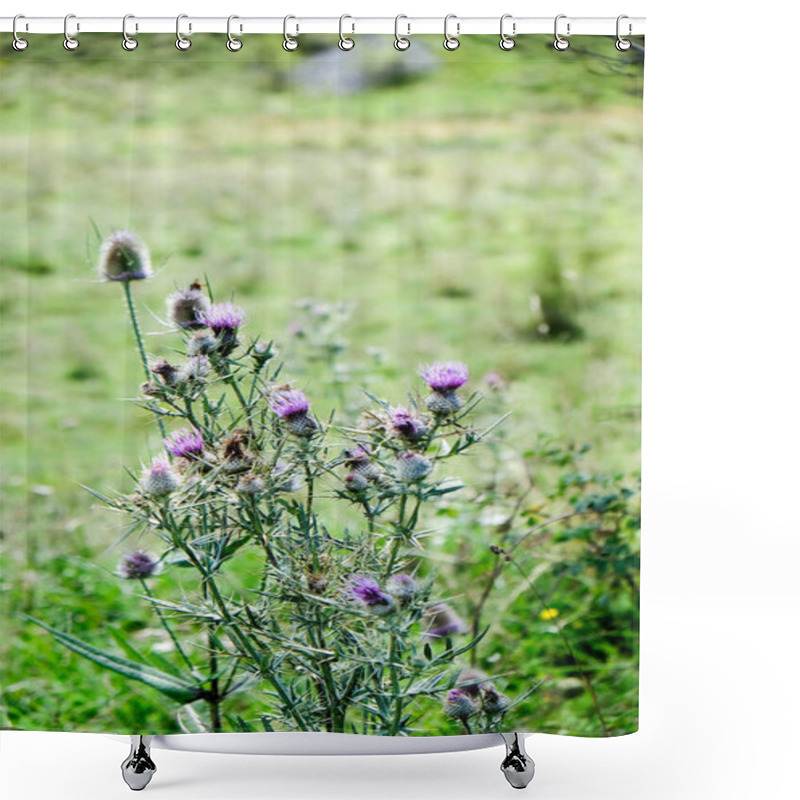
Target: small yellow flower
[{"x": 548, "y": 613}]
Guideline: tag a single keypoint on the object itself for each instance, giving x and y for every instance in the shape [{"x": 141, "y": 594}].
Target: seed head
[
  {"x": 317, "y": 583},
  {"x": 138, "y": 565},
  {"x": 124, "y": 257},
  {"x": 165, "y": 371},
  {"x": 494, "y": 702},
  {"x": 184, "y": 306},
  {"x": 159, "y": 479}
]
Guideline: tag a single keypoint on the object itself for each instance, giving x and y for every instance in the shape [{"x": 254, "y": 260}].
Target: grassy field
[{"x": 457, "y": 213}]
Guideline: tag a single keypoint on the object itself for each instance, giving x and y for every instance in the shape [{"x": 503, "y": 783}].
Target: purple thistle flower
[
  {"x": 292, "y": 407},
  {"x": 445, "y": 376},
  {"x": 138, "y": 565},
  {"x": 124, "y": 257},
  {"x": 185, "y": 443},
  {"x": 459, "y": 705},
  {"x": 368, "y": 593},
  {"x": 159, "y": 478},
  {"x": 221, "y": 318},
  {"x": 443, "y": 622},
  {"x": 406, "y": 424},
  {"x": 290, "y": 403}
]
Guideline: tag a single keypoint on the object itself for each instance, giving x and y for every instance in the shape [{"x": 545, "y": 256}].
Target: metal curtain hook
[
  {"x": 623, "y": 44},
  {"x": 128, "y": 42},
  {"x": 181, "y": 42},
  {"x": 560, "y": 42},
  {"x": 70, "y": 42},
  {"x": 18, "y": 43},
  {"x": 345, "y": 42},
  {"x": 233, "y": 44},
  {"x": 506, "y": 42},
  {"x": 451, "y": 42},
  {"x": 400, "y": 42},
  {"x": 289, "y": 44}
]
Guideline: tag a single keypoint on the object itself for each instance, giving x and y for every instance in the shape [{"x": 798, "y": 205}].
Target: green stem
[{"x": 140, "y": 344}]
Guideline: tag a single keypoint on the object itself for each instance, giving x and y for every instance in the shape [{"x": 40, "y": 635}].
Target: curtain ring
[
  {"x": 400, "y": 42},
  {"x": 289, "y": 44},
  {"x": 450, "y": 42},
  {"x": 128, "y": 42},
  {"x": 70, "y": 42},
  {"x": 233, "y": 44},
  {"x": 623, "y": 44},
  {"x": 345, "y": 42},
  {"x": 18, "y": 43},
  {"x": 506, "y": 42},
  {"x": 182, "y": 43},
  {"x": 560, "y": 42}
]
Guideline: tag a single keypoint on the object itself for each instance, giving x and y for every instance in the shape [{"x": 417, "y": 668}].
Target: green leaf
[{"x": 176, "y": 689}]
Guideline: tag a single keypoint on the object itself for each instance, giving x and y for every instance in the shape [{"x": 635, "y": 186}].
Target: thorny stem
[
  {"x": 166, "y": 625},
  {"x": 126, "y": 285},
  {"x": 234, "y": 632}
]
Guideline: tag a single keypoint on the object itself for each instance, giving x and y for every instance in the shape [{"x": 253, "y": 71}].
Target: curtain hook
[
  {"x": 560, "y": 42},
  {"x": 345, "y": 42},
  {"x": 289, "y": 44},
  {"x": 70, "y": 42},
  {"x": 400, "y": 42},
  {"x": 18, "y": 43},
  {"x": 451, "y": 42},
  {"x": 623, "y": 44},
  {"x": 233, "y": 44},
  {"x": 182, "y": 43},
  {"x": 507, "y": 42},
  {"x": 128, "y": 42}
]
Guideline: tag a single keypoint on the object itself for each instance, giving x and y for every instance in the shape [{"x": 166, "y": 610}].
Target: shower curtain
[{"x": 320, "y": 386}]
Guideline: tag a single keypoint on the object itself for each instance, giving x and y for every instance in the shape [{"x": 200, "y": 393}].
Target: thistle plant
[{"x": 297, "y": 541}]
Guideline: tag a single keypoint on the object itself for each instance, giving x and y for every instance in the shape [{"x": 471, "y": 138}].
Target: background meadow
[{"x": 477, "y": 205}]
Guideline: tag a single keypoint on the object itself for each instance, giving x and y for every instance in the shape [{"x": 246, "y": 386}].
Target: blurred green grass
[{"x": 438, "y": 206}]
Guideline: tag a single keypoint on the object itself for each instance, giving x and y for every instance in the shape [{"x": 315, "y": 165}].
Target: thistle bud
[
  {"x": 251, "y": 484},
  {"x": 402, "y": 587},
  {"x": 159, "y": 479},
  {"x": 412, "y": 467},
  {"x": 355, "y": 482},
  {"x": 459, "y": 705}
]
